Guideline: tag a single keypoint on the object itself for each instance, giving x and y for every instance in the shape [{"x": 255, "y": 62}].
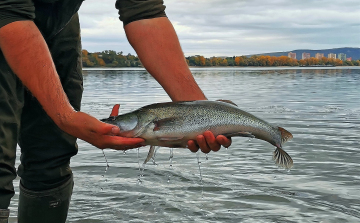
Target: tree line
[
  {"x": 266, "y": 61},
  {"x": 111, "y": 58}
]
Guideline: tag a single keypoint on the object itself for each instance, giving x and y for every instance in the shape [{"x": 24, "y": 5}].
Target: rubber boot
[
  {"x": 48, "y": 206},
  {"x": 4, "y": 215}
]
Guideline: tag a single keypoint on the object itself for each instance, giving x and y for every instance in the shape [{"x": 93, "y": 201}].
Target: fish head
[{"x": 127, "y": 123}]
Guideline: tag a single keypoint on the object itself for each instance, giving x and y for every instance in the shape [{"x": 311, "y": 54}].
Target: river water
[{"x": 320, "y": 107}]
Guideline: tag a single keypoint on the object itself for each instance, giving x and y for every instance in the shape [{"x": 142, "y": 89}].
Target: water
[{"x": 320, "y": 107}]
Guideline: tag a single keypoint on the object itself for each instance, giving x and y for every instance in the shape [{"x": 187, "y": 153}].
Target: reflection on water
[{"x": 241, "y": 184}]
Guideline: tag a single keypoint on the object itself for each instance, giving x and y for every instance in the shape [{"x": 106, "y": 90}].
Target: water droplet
[
  {"x": 102, "y": 189},
  {"x": 153, "y": 161},
  {"x": 107, "y": 167},
  {"x": 124, "y": 152},
  {"x": 107, "y": 164},
  {"x": 171, "y": 157},
  {"x": 139, "y": 181},
  {"x": 206, "y": 157},
  {"x": 171, "y": 153},
  {"x": 198, "y": 161},
  {"x": 141, "y": 168}
]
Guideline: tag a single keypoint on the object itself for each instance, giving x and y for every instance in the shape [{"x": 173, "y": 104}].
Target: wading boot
[
  {"x": 4, "y": 215},
  {"x": 47, "y": 206}
]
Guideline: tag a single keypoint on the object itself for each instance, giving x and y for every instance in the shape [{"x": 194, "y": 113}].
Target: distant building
[
  {"x": 305, "y": 56},
  {"x": 342, "y": 56},
  {"x": 349, "y": 59},
  {"x": 292, "y": 55},
  {"x": 332, "y": 56},
  {"x": 319, "y": 56}
]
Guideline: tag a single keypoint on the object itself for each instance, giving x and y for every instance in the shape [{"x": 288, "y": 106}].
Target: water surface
[{"x": 320, "y": 107}]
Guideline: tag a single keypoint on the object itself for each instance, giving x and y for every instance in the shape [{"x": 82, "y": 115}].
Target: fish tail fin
[
  {"x": 282, "y": 159},
  {"x": 285, "y": 135}
]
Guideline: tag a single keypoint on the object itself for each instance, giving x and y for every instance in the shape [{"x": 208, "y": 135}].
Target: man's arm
[
  {"x": 29, "y": 58},
  {"x": 158, "y": 48}
]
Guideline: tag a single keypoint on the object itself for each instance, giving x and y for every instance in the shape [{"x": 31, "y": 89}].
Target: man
[{"x": 40, "y": 95}]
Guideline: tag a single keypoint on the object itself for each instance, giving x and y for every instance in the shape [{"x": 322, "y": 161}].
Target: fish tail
[
  {"x": 285, "y": 135},
  {"x": 282, "y": 159}
]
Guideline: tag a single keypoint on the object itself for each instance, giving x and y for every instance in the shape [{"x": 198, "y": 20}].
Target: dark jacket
[{"x": 52, "y": 15}]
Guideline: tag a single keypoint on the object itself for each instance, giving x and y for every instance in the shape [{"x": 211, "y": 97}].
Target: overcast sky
[{"x": 235, "y": 27}]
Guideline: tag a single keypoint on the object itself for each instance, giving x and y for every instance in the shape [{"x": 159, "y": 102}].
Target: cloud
[{"x": 236, "y": 27}]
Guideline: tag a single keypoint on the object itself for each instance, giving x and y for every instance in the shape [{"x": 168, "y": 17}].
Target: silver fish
[{"x": 172, "y": 124}]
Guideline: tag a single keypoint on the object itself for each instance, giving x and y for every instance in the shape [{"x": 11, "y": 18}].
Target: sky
[{"x": 234, "y": 27}]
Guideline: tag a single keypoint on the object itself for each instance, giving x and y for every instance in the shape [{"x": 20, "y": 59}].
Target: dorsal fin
[
  {"x": 285, "y": 135},
  {"x": 227, "y": 101}
]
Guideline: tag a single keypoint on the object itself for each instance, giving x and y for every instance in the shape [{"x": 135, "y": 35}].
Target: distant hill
[{"x": 352, "y": 52}]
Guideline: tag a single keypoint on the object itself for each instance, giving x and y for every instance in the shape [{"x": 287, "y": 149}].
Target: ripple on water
[{"x": 319, "y": 107}]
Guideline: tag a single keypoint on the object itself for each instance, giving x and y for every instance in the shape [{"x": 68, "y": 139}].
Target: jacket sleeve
[
  {"x": 16, "y": 10},
  {"x": 133, "y": 10}
]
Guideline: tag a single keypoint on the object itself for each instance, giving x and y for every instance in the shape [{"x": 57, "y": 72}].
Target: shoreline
[{"x": 229, "y": 68}]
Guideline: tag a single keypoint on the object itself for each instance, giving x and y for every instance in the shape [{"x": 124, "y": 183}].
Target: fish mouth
[{"x": 108, "y": 120}]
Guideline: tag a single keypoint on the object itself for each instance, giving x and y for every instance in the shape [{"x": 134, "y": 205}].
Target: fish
[{"x": 173, "y": 124}]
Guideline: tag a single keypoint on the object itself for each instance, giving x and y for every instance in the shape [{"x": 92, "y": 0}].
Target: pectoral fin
[
  {"x": 242, "y": 134},
  {"x": 166, "y": 123},
  {"x": 150, "y": 154}
]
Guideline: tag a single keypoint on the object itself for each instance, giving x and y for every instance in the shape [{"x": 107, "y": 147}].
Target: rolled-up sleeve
[
  {"x": 16, "y": 10},
  {"x": 133, "y": 10}
]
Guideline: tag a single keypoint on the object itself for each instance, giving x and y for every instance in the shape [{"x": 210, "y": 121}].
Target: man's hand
[
  {"x": 208, "y": 142},
  {"x": 99, "y": 134}
]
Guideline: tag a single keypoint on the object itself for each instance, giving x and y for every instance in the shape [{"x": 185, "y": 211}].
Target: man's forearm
[
  {"x": 158, "y": 48},
  {"x": 28, "y": 56}
]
